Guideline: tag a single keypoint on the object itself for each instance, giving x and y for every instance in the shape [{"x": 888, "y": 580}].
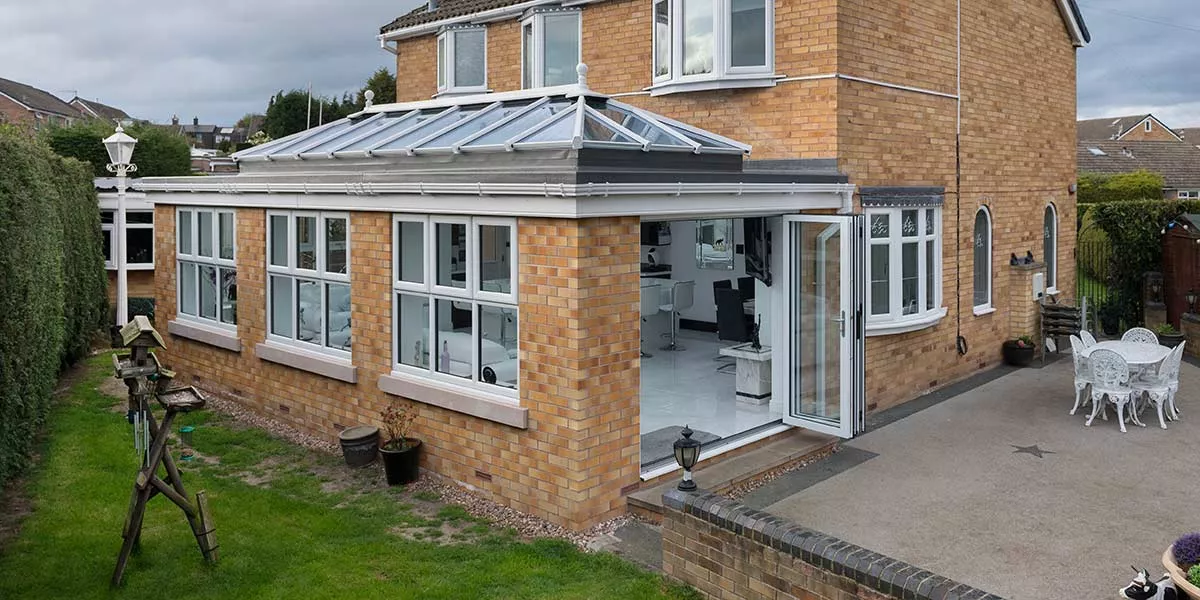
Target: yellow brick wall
[
  {"x": 1157, "y": 133},
  {"x": 579, "y": 341}
]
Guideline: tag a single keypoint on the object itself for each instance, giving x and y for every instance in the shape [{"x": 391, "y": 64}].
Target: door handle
[{"x": 841, "y": 321}]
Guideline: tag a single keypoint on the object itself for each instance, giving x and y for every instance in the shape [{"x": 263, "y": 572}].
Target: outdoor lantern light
[
  {"x": 120, "y": 151},
  {"x": 687, "y": 453},
  {"x": 1191, "y": 300},
  {"x": 1155, "y": 288}
]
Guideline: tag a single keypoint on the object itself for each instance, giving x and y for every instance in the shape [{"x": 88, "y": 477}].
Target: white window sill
[
  {"x": 979, "y": 311},
  {"x": 713, "y": 83},
  {"x": 206, "y": 334},
  {"x": 906, "y": 325},
  {"x": 131, "y": 267},
  {"x": 450, "y": 397},
  {"x": 314, "y": 362}
]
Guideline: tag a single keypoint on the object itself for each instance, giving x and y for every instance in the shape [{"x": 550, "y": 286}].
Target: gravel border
[{"x": 741, "y": 490}]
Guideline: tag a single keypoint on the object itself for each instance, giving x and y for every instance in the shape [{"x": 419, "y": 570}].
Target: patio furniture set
[{"x": 1132, "y": 372}]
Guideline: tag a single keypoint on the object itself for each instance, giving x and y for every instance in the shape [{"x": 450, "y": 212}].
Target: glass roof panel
[
  {"x": 467, "y": 129},
  {"x": 361, "y": 128},
  {"x": 429, "y": 128},
  {"x": 651, "y": 132},
  {"x": 523, "y": 123},
  {"x": 386, "y": 132},
  {"x": 597, "y": 131},
  {"x": 562, "y": 130}
]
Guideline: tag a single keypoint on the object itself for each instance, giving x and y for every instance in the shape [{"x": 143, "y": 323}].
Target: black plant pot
[
  {"x": 1170, "y": 340},
  {"x": 1016, "y": 355},
  {"x": 1110, "y": 324},
  {"x": 402, "y": 466}
]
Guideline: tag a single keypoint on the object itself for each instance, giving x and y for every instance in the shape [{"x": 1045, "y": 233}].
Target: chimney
[
  {"x": 174, "y": 119},
  {"x": 195, "y": 121}
]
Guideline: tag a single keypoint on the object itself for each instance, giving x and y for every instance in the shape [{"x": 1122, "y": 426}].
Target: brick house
[
  {"x": 1178, "y": 162},
  {"x": 507, "y": 244},
  {"x": 32, "y": 108},
  {"x": 1135, "y": 128}
]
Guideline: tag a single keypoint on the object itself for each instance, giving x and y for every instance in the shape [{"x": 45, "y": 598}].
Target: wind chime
[{"x": 146, "y": 377}]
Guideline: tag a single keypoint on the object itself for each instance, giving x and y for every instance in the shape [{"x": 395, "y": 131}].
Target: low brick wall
[
  {"x": 1189, "y": 326},
  {"x": 727, "y": 550}
]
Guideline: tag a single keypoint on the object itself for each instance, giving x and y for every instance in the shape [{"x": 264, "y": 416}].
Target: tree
[
  {"x": 383, "y": 83},
  {"x": 287, "y": 114},
  {"x": 160, "y": 152}
]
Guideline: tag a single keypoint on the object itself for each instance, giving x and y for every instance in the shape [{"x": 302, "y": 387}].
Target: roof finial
[
  {"x": 370, "y": 96},
  {"x": 582, "y": 69}
]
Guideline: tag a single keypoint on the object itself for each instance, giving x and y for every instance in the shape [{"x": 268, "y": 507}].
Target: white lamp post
[{"x": 120, "y": 152}]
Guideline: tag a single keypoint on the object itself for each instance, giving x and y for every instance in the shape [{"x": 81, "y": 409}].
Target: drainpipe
[{"x": 960, "y": 342}]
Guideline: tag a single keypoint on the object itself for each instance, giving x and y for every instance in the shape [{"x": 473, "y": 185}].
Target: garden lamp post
[
  {"x": 120, "y": 152},
  {"x": 687, "y": 453},
  {"x": 1191, "y": 300}
]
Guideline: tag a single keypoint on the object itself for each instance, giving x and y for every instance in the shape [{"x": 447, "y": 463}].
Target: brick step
[{"x": 723, "y": 474}]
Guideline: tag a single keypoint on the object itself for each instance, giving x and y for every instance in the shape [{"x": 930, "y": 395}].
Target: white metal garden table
[{"x": 1136, "y": 354}]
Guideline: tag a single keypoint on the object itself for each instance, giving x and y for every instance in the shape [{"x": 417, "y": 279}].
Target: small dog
[{"x": 1141, "y": 588}]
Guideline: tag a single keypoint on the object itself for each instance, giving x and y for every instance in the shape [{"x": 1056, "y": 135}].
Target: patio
[{"x": 959, "y": 489}]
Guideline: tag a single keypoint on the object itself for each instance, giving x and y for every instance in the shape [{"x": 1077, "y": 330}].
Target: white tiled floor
[{"x": 684, "y": 388}]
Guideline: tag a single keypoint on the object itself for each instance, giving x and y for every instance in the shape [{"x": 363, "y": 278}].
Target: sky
[{"x": 220, "y": 59}]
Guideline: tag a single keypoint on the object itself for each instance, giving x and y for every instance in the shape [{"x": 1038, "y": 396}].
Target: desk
[{"x": 753, "y": 372}]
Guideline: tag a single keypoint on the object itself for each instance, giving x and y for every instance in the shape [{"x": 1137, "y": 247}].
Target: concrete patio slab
[{"x": 950, "y": 491}]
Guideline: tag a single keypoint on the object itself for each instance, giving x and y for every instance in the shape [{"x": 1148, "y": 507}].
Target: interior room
[{"x": 706, "y": 285}]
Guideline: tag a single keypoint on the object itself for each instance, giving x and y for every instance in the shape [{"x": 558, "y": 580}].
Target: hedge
[
  {"x": 1095, "y": 249},
  {"x": 52, "y": 283},
  {"x": 158, "y": 153},
  {"x": 1122, "y": 187}
]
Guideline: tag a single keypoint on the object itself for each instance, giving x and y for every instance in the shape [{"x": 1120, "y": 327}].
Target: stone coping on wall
[
  {"x": 890, "y": 577},
  {"x": 204, "y": 334}
]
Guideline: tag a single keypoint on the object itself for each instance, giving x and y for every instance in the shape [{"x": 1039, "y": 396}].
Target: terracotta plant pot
[
  {"x": 402, "y": 466},
  {"x": 1179, "y": 576},
  {"x": 1016, "y": 355}
]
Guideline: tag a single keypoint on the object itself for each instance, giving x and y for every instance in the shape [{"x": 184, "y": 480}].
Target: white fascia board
[
  {"x": 133, "y": 201},
  {"x": 496, "y": 14},
  {"x": 571, "y": 90},
  {"x": 550, "y": 203},
  {"x": 1072, "y": 24}
]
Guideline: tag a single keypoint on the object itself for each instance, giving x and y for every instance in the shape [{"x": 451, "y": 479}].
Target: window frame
[
  {"x": 297, "y": 274},
  {"x": 895, "y": 321},
  {"x": 1187, "y": 194},
  {"x": 1051, "y": 267},
  {"x": 198, "y": 260},
  {"x": 108, "y": 230},
  {"x": 1149, "y": 126},
  {"x": 433, "y": 292},
  {"x": 986, "y": 307},
  {"x": 537, "y": 62},
  {"x": 446, "y": 84},
  {"x": 724, "y": 74}
]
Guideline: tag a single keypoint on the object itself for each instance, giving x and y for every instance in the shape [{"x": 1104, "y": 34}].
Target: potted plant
[
  {"x": 1110, "y": 317},
  {"x": 1018, "y": 352},
  {"x": 401, "y": 453},
  {"x": 1168, "y": 335},
  {"x": 1182, "y": 561}
]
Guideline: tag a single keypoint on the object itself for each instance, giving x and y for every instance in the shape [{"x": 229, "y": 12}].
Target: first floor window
[
  {"x": 207, "y": 272},
  {"x": 455, "y": 311},
  {"x": 712, "y": 39},
  {"x": 1050, "y": 246},
  {"x": 903, "y": 264},
  {"x": 308, "y": 279},
  {"x": 983, "y": 259},
  {"x": 462, "y": 60},
  {"x": 139, "y": 238},
  {"x": 550, "y": 48}
]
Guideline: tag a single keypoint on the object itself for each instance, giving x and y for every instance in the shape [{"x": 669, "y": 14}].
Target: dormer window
[
  {"x": 550, "y": 48},
  {"x": 712, "y": 44},
  {"x": 462, "y": 60}
]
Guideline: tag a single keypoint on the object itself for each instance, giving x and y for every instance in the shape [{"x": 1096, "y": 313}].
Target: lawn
[{"x": 291, "y": 524}]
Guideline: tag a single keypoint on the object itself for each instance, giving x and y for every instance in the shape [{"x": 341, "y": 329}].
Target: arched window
[
  {"x": 1050, "y": 247},
  {"x": 983, "y": 260}
]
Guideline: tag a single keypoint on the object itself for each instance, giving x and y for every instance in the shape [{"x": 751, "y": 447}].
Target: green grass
[{"x": 289, "y": 534}]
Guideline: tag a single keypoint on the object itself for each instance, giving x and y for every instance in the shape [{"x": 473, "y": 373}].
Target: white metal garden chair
[
  {"x": 1160, "y": 387},
  {"x": 1140, "y": 335},
  {"x": 1087, "y": 338},
  {"x": 1110, "y": 379},
  {"x": 1083, "y": 374}
]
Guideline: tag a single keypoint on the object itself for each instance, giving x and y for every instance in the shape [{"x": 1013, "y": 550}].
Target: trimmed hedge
[
  {"x": 52, "y": 283},
  {"x": 158, "y": 153},
  {"x": 1123, "y": 187}
]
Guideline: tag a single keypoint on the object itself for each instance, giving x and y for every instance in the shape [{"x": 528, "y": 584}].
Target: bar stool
[
  {"x": 682, "y": 296},
  {"x": 651, "y": 296}
]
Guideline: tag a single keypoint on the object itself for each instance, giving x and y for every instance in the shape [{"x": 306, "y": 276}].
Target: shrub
[
  {"x": 158, "y": 153},
  {"x": 1187, "y": 550},
  {"x": 141, "y": 306},
  {"x": 1095, "y": 247},
  {"x": 1123, "y": 187},
  {"x": 1193, "y": 575},
  {"x": 52, "y": 283}
]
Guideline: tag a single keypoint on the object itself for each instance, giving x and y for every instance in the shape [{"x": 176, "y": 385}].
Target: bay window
[
  {"x": 139, "y": 239},
  {"x": 462, "y": 60},
  {"x": 712, "y": 44},
  {"x": 206, "y": 271},
  {"x": 982, "y": 257},
  {"x": 455, "y": 301},
  {"x": 550, "y": 48},
  {"x": 308, "y": 280},
  {"x": 903, "y": 269}
]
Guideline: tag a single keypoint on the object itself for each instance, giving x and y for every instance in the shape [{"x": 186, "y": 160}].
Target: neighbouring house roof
[
  {"x": 95, "y": 109},
  {"x": 1190, "y": 135},
  {"x": 200, "y": 129},
  {"x": 1112, "y": 128},
  {"x": 1179, "y": 164},
  {"x": 450, "y": 9},
  {"x": 35, "y": 99}
]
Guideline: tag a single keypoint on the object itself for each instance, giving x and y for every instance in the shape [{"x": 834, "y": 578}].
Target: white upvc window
[
  {"x": 139, "y": 239},
  {"x": 308, "y": 280},
  {"x": 712, "y": 44},
  {"x": 551, "y": 47},
  {"x": 904, "y": 269},
  {"x": 456, "y": 277},
  {"x": 462, "y": 60},
  {"x": 982, "y": 258},
  {"x": 1149, "y": 126},
  {"x": 1050, "y": 247},
  {"x": 205, "y": 255},
  {"x": 1189, "y": 194}
]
